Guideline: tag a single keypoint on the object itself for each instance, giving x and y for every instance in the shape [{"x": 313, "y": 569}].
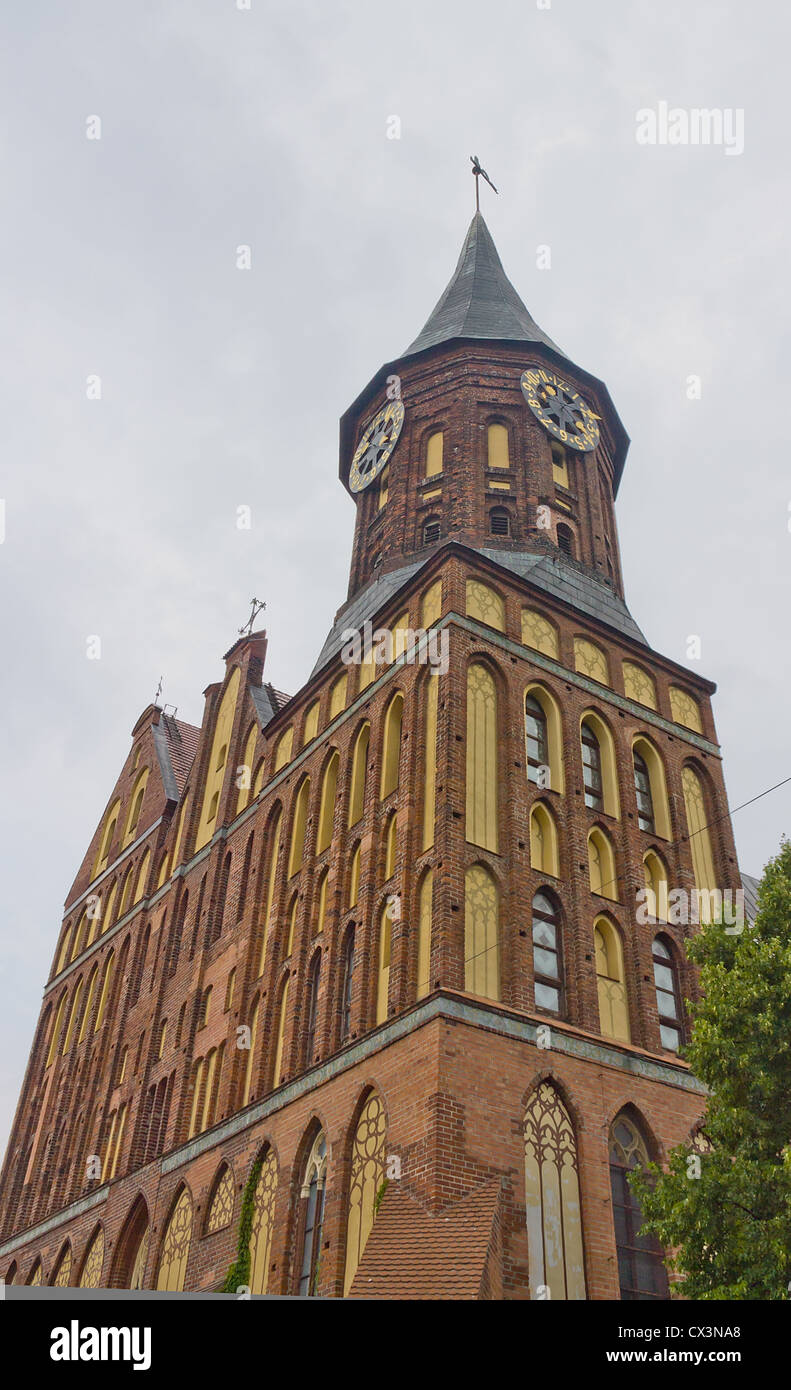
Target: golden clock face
[
  {"x": 560, "y": 408},
  {"x": 376, "y": 445}
]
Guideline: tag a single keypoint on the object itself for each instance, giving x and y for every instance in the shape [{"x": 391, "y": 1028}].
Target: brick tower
[{"x": 396, "y": 965}]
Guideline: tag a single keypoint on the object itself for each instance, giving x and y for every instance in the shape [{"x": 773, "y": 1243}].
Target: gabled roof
[
  {"x": 176, "y": 744},
  {"x": 480, "y": 301},
  {"x": 415, "y": 1253}
]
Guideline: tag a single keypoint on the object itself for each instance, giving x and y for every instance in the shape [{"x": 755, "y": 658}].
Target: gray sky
[{"x": 223, "y": 387}]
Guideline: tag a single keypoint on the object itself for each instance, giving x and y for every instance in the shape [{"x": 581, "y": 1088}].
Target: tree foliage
[{"x": 730, "y": 1227}]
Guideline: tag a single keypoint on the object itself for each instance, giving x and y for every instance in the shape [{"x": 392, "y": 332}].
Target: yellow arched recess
[
  {"x": 431, "y": 605},
  {"x": 638, "y": 685},
  {"x": 75, "y": 1004},
  {"x": 177, "y": 845},
  {"x": 86, "y": 1013},
  {"x": 298, "y": 828},
  {"x": 656, "y": 776},
  {"x": 543, "y": 841},
  {"x": 699, "y": 839},
  {"x": 365, "y": 1180},
  {"x": 245, "y": 772},
  {"x": 354, "y": 878},
  {"x": 283, "y": 749},
  {"x": 55, "y": 1034},
  {"x": 611, "y": 981},
  {"x": 497, "y": 446},
  {"x": 107, "y": 908},
  {"x": 107, "y": 980},
  {"x": 359, "y": 767},
  {"x": 218, "y": 759},
  {"x": 383, "y": 965},
  {"x": 425, "y": 903},
  {"x": 103, "y": 855},
  {"x": 391, "y": 746},
  {"x": 590, "y": 661},
  {"x": 391, "y": 844},
  {"x": 248, "y": 1071},
  {"x": 485, "y": 605},
  {"x": 311, "y": 726},
  {"x": 78, "y": 940},
  {"x": 266, "y": 919},
  {"x": 656, "y": 886},
  {"x": 400, "y": 630},
  {"x": 329, "y": 787},
  {"x": 321, "y": 910},
  {"x": 552, "y": 1198},
  {"x": 91, "y": 1275},
  {"x": 551, "y": 710},
  {"x": 164, "y": 871},
  {"x": 140, "y": 886},
  {"x": 539, "y": 633},
  {"x": 263, "y": 1224},
  {"x": 292, "y": 922},
  {"x": 176, "y": 1246},
  {"x": 430, "y": 765},
  {"x": 63, "y": 953},
  {"x": 481, "y": 801},
  {"x": 338, "y": 695},
  {"x": 601, "y": 865},
  {"x": 135, "y": 807},
  {"x": 277, "y": 1072},
  {"x": 685, "y": 709},
  {"x": 434, "y": 454},
  {"x": 481, "y": 933},
  {"x": 609, "y": 767}
]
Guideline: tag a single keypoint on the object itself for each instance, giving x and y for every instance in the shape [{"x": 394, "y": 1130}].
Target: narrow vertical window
[
  {"x": 329, "y": 787},
  {"x": 365, "y": 1181},
  {"x": 312, "y": 1007},
  {"x": 425, "y": 903},
  {"x": 176, "y": 1246},
  {"x": 391, "y": 747},
  {"x": 482, "y": 780},
  {"x": 641, "y": 1272},
  {"x": 312, "y": 1198},
  {"x": 536, "y": 741},
  {"x": 497, "y": 446},
  {"x": 263, "y": 1224},
  {"x": 434, "y": 454},
  {"x": 346, "y": 986},
  {"x": 552, "y": 1198},
  {"x": 611, "y": 981},
  {"x": 481, "y": 933},
  {"x": 642, "y": 787},
  {"x": 359, "y": 768},
  {"x": 298, "y": 829},
  {"x": 546, "y": 954},
  {"x": 668, "y": 998},
  {"x": 591, "y": 768},
  {"x": 383, "y": 972}
]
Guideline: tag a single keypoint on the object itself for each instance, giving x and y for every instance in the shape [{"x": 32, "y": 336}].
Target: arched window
[
  {"x": 699, "y": 840},
  {"x": 431, "y": 605},
  {"x": 284, "y": 748},
  {"x": 243, "y": 886},
  {"x": 391, "y": 746},
  {"x": 359, "y": 769},
  {"x": 611, "y": 981},
  {"x": 641, "y": 1272},
  {"x": 485, "y": 605},
  {"x": 104, "y": 996},
  {"x": 135, "y": 808},
  {"x": 140, "y": 1259},
  {"x": 482, "y": 766},
  {"x": 499, "y": 522},
  {"x": 601, "y": 865},
  {"x": 321, "y": 909},
  {"x": 142, "y": 877},
  {"x": 668, "y": 995},
  {"x": 105, "y": 844},
  {"x": 565, "y": 539},
  {"x": 311, "y": 725},
  {"x": 384, "y": 480},
  {"x": 278, "y": 1071},
  {"x": 366, "y": 1178},
  {"x": 54, "y": 1036},
  {"x": 425, "y": 903},
  {"x": 434, "y": 449},
  {"x": 481, "y": 933},
  {"x": 263, "y": 1223},
  {"x": 36, "y": 1275},
  {"x": 221, "y": 1204},
  {"x": 642, "y": 787},
  {"x": 599, "y": 770},
  {"x": 75, "y": 1005},
  {"x": 91, "y": 1275},
  {"x": 218, "y": 759},
  {"x": 176, "y": 1245},
  {"x": 497, "y": 446},
  {"x": 329, "y": 788},
  {"x": 543, "y": 841},
  {"x": 546, "y": 955},
  {"x": 312, "y": 1007},
  {"x": 383, "y": 968},
  {"x": 656, "y": 899},
  {"x": 552, "y": 1198},
  {"x": 432, "y": 530},
  {"x": 267, "y": 915},
  {"x": 536, "y": 742},
  {"x": 298, "y": 829},
  {"x": 591, "y": 768},
  {"x": 390, "y": 839},
  {"x": 430, "y": 764},
  {"x": 347, "y": 981},
  {"x": 312, "y": 1217},
  {"x": 62, "y": 1277},
  {"x": 86, "y": 1013}
]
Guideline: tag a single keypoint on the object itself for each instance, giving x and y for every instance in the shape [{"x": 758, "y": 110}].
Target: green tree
[{"x": 730, "y": 1227}]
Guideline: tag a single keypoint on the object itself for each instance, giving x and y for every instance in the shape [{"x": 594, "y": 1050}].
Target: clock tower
[{"x": 395, "y": 956}]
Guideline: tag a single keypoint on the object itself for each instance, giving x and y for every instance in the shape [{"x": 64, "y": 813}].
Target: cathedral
[{"x": 375, "y": 990}]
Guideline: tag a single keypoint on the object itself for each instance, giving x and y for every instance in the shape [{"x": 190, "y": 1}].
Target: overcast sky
[{"x": 268, "y": 127}]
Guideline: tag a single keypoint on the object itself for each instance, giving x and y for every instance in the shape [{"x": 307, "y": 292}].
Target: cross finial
[
  {"x": 479, "y": 172},
  {"x": 256, "y": 605}
]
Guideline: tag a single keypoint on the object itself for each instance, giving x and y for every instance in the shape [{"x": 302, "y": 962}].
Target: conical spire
[{"x": 480, "y": 301}]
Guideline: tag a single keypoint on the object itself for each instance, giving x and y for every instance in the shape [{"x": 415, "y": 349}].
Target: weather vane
[
  {"x": 479, "y": 171},
  {"x": 159, "y": 692},
  {"x": 257, "y": 605}
]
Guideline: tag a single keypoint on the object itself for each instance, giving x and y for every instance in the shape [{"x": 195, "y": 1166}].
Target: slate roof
[
  {"x": 554, "y": 574},
  {"x": 480, "y": 301},
  {"x": 267, "y": 702},
  {"x": 176, "y": 744},
  {"x": 750, "y": 886},
  {"x": 417, "y": 1254}
]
